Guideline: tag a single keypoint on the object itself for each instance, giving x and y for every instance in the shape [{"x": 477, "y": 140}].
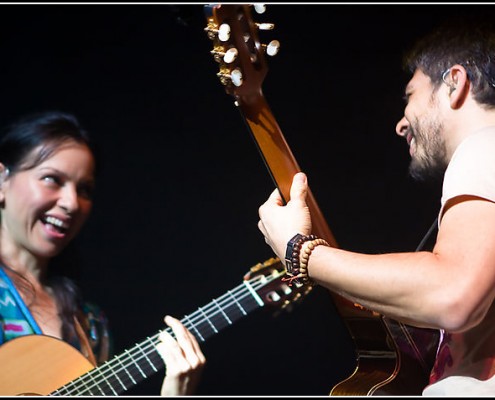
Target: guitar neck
[
  {"x": 278, "y": 157},
  {"x": 282, "y": 166},
  {"x": 143, "y": 360}
]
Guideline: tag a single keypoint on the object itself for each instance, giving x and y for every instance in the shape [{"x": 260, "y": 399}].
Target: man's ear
[{"x": 459, "y": 86}]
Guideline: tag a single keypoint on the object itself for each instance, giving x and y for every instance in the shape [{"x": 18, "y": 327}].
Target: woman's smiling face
[{"x": 44, "y": 207}]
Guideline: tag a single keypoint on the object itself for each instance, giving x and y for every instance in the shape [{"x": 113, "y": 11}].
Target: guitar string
[
  {"x": 154, "y": 340},
  {"x": 199, "y": 316},
  {"x": 122, "y": 360}
]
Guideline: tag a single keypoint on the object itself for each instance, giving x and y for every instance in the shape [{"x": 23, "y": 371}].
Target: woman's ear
[{"x": 4, "y": 173}]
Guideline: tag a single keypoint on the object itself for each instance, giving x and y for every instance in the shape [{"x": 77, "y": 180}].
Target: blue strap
[{"x": 19, "y": 302}]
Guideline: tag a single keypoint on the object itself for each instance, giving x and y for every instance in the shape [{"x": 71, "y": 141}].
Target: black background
[{"x": 175, "y": 216}]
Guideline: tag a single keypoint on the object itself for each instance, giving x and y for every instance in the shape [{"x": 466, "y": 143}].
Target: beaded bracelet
[
  {"x": 297, "y": 264},
  {"x": 308, "y": 249}
]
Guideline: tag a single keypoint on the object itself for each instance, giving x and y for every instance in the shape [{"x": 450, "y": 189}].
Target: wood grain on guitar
[
  {"x": 43, "y": 365},
  {"x": 391, "y": 358}
]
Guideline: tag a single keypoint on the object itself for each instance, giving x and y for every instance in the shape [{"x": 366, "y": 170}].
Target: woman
[{"x": 47, "y": 176}]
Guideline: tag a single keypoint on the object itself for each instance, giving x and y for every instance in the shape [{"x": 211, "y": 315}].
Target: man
[{"x": 449, "y": 124}]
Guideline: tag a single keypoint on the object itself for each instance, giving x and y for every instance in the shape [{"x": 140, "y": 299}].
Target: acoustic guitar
[
  {"x": 391, "y": 358},
  {"x": 43, "y": 365}
]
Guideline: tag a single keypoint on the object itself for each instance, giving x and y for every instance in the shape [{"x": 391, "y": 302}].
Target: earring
[
  {"x": 444, "y": 75},
  {"x": 4, "y": 175},
  {"x": 444, "y": 79}
]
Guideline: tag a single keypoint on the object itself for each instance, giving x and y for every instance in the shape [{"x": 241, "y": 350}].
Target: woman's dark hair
[
  {"x": 468, "y": 40},
  {"x": 47, "y": 131}
]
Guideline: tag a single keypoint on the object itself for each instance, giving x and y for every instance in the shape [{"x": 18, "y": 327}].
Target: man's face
[{"x": 423, "y": 129}]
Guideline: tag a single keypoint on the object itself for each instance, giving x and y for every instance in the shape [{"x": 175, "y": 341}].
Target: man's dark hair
[{"x": 468, "y": 41}]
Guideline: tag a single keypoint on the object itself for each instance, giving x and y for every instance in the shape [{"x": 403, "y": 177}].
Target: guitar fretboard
[{"x": 143, "y": 360}]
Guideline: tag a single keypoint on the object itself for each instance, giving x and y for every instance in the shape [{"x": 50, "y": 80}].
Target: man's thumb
[{"x": 299, "y": 187}]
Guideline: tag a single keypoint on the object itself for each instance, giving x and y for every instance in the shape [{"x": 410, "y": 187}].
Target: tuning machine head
[{"x": 236, "y": 45}]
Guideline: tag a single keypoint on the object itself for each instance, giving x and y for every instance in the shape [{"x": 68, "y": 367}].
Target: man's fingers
[{"x": 275, "y": 198}]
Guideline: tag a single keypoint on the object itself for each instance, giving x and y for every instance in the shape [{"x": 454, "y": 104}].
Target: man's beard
[{"x": 431, "y": 163}]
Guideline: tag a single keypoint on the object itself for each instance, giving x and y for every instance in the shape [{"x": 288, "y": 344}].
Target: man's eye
[{"x": 407, "y": 95}]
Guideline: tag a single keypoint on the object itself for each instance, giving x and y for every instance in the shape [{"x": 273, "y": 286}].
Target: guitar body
[
  {"x": 38, "y": 365},
  {"x": 392, "y": 358}
]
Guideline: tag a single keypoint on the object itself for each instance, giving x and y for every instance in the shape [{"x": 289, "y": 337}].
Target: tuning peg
[
  {"x": 235, "y": 77},
  {"x": 227, "y": 57},
  {"x": 259, "y": 8},
  {"x": 222, "y": 32},
  {"x": 230, "y": 55},
  {"x": 265, "y": 26},
  {"x": 271, "y": 48}
]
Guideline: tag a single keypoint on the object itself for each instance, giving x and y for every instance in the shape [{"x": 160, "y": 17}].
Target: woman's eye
[
  {"x": 86, "y": 191},
  {"x": 51, "y": 179}
]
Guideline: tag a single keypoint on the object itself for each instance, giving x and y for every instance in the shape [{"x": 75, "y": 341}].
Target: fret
[
  {"x": 238, "y": 304},
  {"x": 208, "y": 320},
  {"x": 110, "y": 386},
  {"x": 98, "y": 387},
  {"x": 138, "y": 367},
  {"x": 124, "y": 387},
  {"x": 198, "y": 334},
  {"x": 223, "y": 313},
  {"x": 124, "y": 368},
  {"x": 146, "y": 357},
  {"x": 101, "y": 386},
  {"x": 255, "y": 295}
]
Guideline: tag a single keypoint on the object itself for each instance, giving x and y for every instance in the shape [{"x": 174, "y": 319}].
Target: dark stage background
[{"x": 175, "y": 216}]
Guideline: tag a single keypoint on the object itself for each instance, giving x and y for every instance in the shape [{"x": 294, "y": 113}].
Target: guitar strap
[
  {"x": 85, "y": 346},
  {"x": 428, "y": 235}
]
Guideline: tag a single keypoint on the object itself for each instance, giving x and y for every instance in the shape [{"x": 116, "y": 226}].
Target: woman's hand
[{"x": 184, "y": 360}]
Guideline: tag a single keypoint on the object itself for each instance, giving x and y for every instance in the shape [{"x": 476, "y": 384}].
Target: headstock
[
  {"x": 266, "y": 279},
  {"x": 237, "y": 47}
]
